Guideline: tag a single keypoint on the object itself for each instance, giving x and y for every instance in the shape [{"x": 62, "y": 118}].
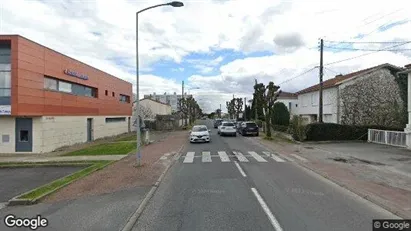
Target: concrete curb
[
  {"x": 134, "y": 217},
  {"x": 371, "y": 198}
]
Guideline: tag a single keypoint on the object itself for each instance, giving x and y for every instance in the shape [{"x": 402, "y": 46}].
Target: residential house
[
  {"x": 149, "y": 108},
  {"x": 290, "y": 100},
  {"x": 369, "y": 96}
]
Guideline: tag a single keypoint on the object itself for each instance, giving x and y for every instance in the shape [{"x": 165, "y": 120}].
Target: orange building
[{"x": 49, "y": 100}]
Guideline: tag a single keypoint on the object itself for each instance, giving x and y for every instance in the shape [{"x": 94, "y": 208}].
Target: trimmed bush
[
  {"x": 332, "y": 131},
  {"x": 297, "y": 128}
]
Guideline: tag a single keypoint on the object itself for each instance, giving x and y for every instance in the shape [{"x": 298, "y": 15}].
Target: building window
[
  {"x": 5, "y": 83},
  {"x": 50, "y": 84},
  {"x": 296, "y": 105},
  {"x": 65, "y": 87},
  {"x": 289, "y": 106},
  {"x": 106, "y": 92},
  {"x": 124, "y": 98},
  {"x": 24, "y": 136},
  {"x": 113, "y": 94},
  {"x": 115, "y": 119}
]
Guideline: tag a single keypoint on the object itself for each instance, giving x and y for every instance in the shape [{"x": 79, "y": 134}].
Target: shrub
[
  {"x": 297, "y": 128},
  {"x": 280, "y": 128},
  {"x": 280, "y": 116},
  {"x": 332, "y": 131}
]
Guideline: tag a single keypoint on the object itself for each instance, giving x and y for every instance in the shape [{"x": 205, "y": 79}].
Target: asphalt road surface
[{"x": 233, "y": 183}]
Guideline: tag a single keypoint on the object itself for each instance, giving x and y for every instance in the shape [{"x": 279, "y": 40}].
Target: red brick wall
[{"x": 31, "y": 61}]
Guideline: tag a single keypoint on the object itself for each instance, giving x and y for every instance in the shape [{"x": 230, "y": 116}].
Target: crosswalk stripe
[
  {"x": 287, "y": 158},
  {"x": 240, "y": 157},
  {"x": 189, "y": 157},
  {"x": 274, "y": 156},
  {"x": 223, "y": 156},
  {"x": 206, "y": 157},
  {"x": 299, "y": 157},
  {"x": 257, "y": 157}
]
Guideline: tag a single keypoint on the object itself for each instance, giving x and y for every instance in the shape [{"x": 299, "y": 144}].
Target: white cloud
[{"x": 287, "y": 29}]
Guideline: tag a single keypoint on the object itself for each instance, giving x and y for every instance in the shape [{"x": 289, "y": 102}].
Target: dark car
[
  {"x": 217, "y": 123},
  {"x": 249, "y": 128}
]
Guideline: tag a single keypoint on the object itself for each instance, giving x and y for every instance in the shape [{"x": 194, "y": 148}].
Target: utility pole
[
  {"x": 320, "y": 106},
  {"x": 255, "y": 103},
  {"x": 183, "y": 101}
]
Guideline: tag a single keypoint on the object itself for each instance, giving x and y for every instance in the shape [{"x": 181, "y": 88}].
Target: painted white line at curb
[
  {"x": 240, "y": 169},
  {"x": 3, "y": 205},
  {"x": 299, "y": 157},
  {"x": 267, "y": 211},
  {"x": 134, "y": 217}
]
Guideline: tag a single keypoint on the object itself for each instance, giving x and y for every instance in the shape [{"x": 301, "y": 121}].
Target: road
[{"x": 250, "y": 192}]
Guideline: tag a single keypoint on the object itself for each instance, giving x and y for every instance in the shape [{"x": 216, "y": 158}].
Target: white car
[
  {"x": 200, "y": 133},
  {"x": 227, "y": 128}
]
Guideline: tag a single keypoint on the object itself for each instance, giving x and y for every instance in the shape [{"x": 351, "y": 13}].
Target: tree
[
  {"x": 146, "y": 113},
  {"x": 258, "y": 101},
  {"x": 212, "y": 115},
  {"x": 183, "y": 107},
  {"x": 270, "y": 95},
  {"x": 230, "y": 107},
  {"x": 218, "y": 112},
  {"x": 247, "y": 112},
  {"x": 281, "y": 115},
  {"x": 238, "y": 106}
]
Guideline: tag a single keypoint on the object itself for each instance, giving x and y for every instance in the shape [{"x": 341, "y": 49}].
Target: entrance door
[
  {"x": 24, "y": 135},
  {"x": 89, "y": 129}
]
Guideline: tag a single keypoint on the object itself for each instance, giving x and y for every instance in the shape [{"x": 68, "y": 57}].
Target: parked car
[
  {"x": 200, "y": 133},
  {"x": 249, "y": 128},
  {"x": 227, "y": 128},
  {"x": 238, "y": 126},
  {"x": 217, "y": 123}
]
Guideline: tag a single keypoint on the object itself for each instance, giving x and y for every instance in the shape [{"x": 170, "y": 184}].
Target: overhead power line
[
  {"x": 352, "y": 42},
  {"x": 299, "y": 75},
  {"x": 358, "y": 49},
  {"x": 384, "y": 49}
]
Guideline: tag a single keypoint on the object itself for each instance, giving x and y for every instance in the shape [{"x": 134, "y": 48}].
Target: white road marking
[
  {"x": 206, "y": 157},
  {"x": 299, "y": 157},
  {"x": 287, "y": 158},
  {"x": 223, "y": 156},
  {"x": 267, "y": 211},
  {"x": 257, "y": 157},
  {"x": 274, "y": 156},
  {"x": 189, "y": 157},
  {"x": 240, "y": 169},
  {"x": 240, "y": 157}
]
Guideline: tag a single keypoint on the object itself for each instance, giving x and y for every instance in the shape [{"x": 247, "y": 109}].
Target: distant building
[{"x": 171, "y": 99}]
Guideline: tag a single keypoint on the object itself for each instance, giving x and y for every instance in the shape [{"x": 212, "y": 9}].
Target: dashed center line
[
  {"x": 240, "y": 169},
  {"x": 267, "y": 211}
]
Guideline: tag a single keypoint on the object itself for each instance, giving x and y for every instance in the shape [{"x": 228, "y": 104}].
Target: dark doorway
[
  {"x": 24, "y": 135},
  {"x": 89, "y": 129}
]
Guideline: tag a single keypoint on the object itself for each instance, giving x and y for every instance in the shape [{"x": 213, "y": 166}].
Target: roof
[
  {"x": 338, "y": 79},
  {"x": 408, "y": 65},
  {"x": 155, "y": 101},
  {"x": 284, "y": 94}
]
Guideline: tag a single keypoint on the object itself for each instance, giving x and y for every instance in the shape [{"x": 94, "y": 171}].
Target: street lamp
[{"x": 173, "y": 4}]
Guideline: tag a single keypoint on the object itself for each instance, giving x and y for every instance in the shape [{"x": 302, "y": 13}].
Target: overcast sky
[{"x": 217, "y": 47}]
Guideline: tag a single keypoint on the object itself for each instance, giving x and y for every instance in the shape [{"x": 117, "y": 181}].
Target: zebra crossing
[{"x": 231, "y": 156}]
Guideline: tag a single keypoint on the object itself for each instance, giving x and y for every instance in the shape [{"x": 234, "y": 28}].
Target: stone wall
[{"x": 371, "y": 99}]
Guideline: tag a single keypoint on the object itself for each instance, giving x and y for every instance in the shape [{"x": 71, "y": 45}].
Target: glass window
[
  {"x": 5, "y": 92},
  {"x": 65, "y": 87},
  {"x": 50, "y": 84},
  {"x": 88, "y": 91},
  {"x": 5, "y": 79},
  {"x": 24, "y": 136},
  {"x": 5, "y": 67},
  {"x": 94, "y": 92},
  {"x": 115, "y": 119}
]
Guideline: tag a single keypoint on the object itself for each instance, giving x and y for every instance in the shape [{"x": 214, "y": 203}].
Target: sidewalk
[
  {"x": 155, "y": 136},
  {"x": 377, "y": 181}
]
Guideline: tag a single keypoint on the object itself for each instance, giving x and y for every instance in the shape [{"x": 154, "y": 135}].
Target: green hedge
[{"x": 331, "y": 131}]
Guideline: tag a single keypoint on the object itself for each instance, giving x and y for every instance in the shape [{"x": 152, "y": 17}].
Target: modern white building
[
  {"x": 290, "y": 100},
  {"x": 171, "y": 99},
  {"x": 308, "y": 99}
]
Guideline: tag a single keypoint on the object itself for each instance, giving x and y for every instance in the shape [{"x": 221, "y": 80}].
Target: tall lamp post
[{"x": 173, "y": 4}]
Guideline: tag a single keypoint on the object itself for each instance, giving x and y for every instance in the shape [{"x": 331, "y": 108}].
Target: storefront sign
[
  {"x": 75, "y": 74},
  {"x": 5, "y": 109}
]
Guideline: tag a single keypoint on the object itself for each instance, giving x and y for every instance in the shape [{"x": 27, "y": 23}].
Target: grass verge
[
  {"x": 128, "y": 138},
  {"x": 120, "y": 148},
  {"x": 53, "y": 186},
  {"x": 276, "y": 138}
]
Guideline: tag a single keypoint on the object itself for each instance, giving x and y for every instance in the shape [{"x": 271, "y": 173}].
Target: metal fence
[{"x": 394, "y": 138}]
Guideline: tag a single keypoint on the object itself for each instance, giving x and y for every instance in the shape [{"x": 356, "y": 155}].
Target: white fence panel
[{"x": 394, "y": 138}]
